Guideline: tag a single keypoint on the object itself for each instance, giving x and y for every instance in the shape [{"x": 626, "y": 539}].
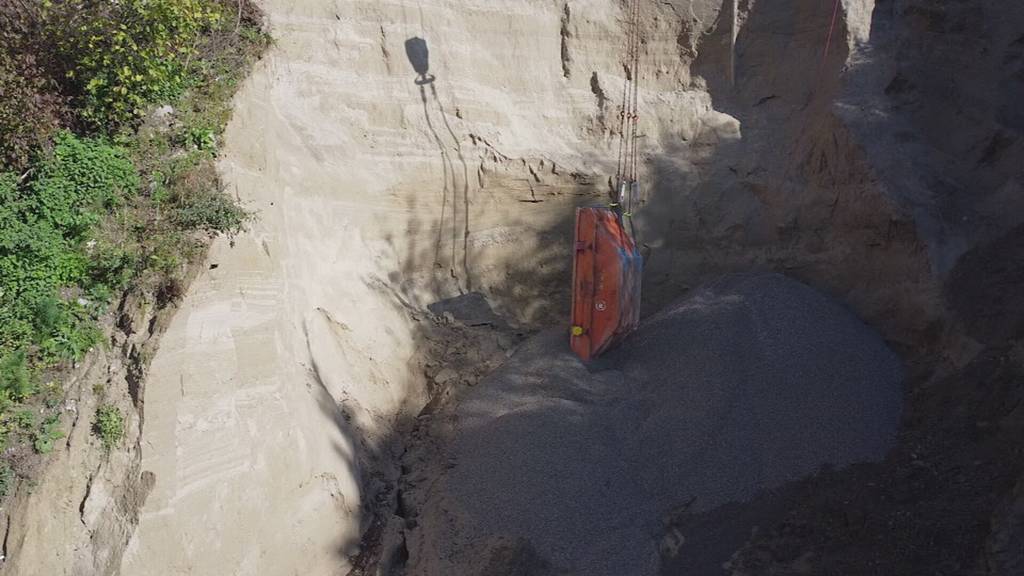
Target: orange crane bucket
[{"x": 606, "y": 282}]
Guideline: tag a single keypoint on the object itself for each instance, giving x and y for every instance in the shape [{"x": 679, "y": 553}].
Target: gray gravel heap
[{"x": 561, "y": 468}]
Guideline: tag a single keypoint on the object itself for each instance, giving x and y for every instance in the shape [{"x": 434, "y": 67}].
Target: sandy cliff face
[
  {"x": 283, "y": 375},
  {"x": 399, "y": 152},
  {"x": 281, "y": 380}
]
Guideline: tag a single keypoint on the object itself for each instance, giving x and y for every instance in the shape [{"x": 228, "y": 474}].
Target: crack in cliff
[
  {"x": 602, "y": 99},
  {"x": 565, "y": 36}
]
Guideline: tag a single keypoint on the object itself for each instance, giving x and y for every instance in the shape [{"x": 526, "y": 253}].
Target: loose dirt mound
[{"x": 556, "y": 468}]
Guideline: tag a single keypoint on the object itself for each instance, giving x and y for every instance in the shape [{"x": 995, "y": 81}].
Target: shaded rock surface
[{"x": 746, "y": 384}]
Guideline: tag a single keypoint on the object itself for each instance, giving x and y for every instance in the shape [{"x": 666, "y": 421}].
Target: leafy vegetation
[
  {"x": 29, "y": 112},
  {"x": 125, "y": 55},
  {"x": 99, "y": 193},
  {"x": 6, "y": 478},
  {"x": 109, "y": 425},
  {"x": 108, "y": 59},
  {"x": 32, "y": 107},
  {"x": 16, "y": 381},
  {"x": 47, "y": 434},
  {"x": 49, "y": 270}
]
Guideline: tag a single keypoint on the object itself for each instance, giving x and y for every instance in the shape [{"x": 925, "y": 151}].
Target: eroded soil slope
[{"x": 276, "y": 405}]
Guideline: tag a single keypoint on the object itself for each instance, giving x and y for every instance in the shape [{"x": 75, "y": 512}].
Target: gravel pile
[{"x": 560, "y": 468}]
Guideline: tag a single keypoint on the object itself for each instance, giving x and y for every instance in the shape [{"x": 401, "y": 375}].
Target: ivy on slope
[{"x": 52, "y": 278}]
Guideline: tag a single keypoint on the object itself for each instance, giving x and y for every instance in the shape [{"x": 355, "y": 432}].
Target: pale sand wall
[{"x": 256, "y": 468}]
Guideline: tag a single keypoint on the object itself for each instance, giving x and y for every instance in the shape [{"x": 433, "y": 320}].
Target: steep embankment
[
  {"x": 273, "y": 406},
  {"x": 280, "y": 380},
  {"x": 279, "y": 384},
  {"x": 110, "y": 122}
]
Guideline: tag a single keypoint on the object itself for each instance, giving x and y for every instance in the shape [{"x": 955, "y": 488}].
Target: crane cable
[
  {"x": 625, "y": 105},
  {"x": 828, "y": 41},
  {"x": 627, "y": 168},
  {"x": 633, "y": 186}
]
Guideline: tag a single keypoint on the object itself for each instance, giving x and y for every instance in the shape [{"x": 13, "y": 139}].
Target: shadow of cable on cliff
[
  {"x": 452, "y": 188},
  {"x": 528, "y": 282},
  {"x": 462, "y": 275}
]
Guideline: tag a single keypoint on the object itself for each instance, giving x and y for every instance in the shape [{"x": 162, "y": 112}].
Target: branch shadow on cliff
[
  {"x": 497, "y": 237},
  {"x": 459, "y": 337},
  {"x": 930, "y": 505}
]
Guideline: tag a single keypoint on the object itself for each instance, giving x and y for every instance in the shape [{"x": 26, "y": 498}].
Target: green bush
[
  {"x": 210, "y": 211},
  {"x": 46, "y": 263},
  {"x": 111, "y": 58},
  {"x": 109, "y": 425},
  {"x": 81, "y": 182},
  {"x": 15, "y": 377},
  {"x": 47, "y": 434},
  {"x": 122, "y": 55},
  {"x": 24, "y": 420},
  {"x": 6, "y": 478},
  {"x": 74, "y": 227},
  {"x": 201, "y": 138}
]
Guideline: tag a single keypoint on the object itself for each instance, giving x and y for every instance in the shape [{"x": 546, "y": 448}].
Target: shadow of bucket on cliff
[{"x": 419, "y": 56}]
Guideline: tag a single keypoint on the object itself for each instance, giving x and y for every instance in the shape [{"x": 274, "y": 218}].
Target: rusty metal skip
[{"x": 607, "y": 265}]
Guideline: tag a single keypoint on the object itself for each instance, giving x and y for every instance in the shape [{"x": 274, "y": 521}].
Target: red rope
[
  {"x": 831, "y": 30},
  {"x": 791, "y": 157}
]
